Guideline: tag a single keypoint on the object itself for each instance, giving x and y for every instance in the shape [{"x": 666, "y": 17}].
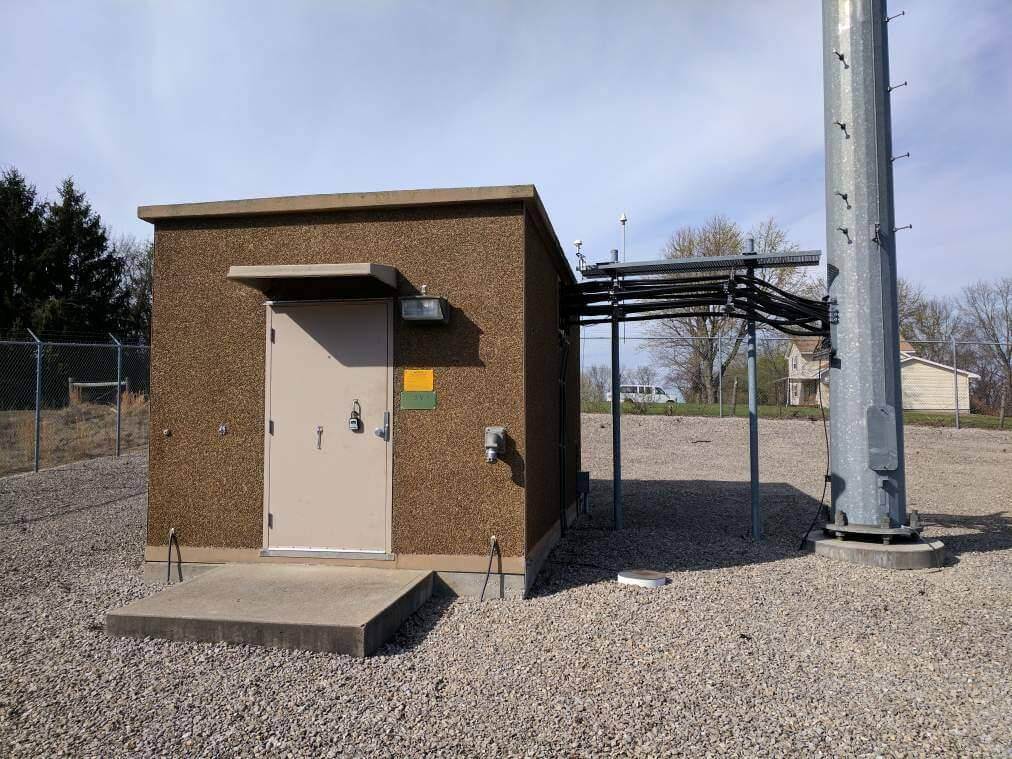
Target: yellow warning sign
[{"x": 418, "y": 379}]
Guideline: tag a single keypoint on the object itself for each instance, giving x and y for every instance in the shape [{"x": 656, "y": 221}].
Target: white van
[{"x": 645, "y": 394}]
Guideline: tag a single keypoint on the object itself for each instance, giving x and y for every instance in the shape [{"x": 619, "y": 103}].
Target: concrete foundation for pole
[{"x": 914, "y": 554}]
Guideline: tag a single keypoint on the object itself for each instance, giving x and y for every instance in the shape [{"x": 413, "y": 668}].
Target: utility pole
[{"x": 868, "y": 477}]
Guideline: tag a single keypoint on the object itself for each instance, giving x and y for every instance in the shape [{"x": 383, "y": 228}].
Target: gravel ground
[{"x": 749, "y": 650}]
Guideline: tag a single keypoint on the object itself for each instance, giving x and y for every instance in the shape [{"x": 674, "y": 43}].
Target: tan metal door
[{"x": 327, "y": 487}]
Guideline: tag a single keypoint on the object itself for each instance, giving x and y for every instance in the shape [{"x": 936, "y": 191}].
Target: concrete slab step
[{"x": 346, "y": 610}]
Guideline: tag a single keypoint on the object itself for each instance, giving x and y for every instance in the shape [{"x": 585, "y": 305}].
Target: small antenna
[
  {"x": 622, "y": 220},
  {"x": 580, "y": 262}
]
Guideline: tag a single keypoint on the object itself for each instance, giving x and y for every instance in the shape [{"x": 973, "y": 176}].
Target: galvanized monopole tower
[{"x": 868, "y": 481}]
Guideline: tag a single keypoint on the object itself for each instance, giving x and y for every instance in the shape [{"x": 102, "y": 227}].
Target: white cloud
[{"x": 668, "y": 111}]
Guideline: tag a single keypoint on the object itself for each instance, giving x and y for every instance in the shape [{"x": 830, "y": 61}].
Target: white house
[{"x": 927, "y": 385}]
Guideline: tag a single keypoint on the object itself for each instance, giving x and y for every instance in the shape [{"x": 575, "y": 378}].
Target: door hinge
[
  {"x": 270, "y": 521},
  {"x": 272, "y": 334},
  {"x": 270, "y": 426}
]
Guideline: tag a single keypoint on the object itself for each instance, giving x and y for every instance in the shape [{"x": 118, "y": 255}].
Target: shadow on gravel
[
  {"x": 55, "y": 513},
  {"x": 417, "y": 627},
  {"x": 676, "y": 526},
  {"x": 983, "y": 532},
  {"x": 692, "y": 525}
]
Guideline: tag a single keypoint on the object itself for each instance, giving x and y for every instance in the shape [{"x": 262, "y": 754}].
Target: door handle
[
  {"x": 384, "y": 431},
  {"x": 319, "y": 437}
]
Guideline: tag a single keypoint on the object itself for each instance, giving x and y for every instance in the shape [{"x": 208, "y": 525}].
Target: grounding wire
[{"x": 825, "y": 478}]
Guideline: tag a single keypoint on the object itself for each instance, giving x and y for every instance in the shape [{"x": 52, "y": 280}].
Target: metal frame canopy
[
  {"x": 694, "y": 286},
  {"x": 705, "y": 263}
]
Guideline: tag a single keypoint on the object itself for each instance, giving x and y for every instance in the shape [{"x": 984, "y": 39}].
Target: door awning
[{"x": 312, "y": 281}]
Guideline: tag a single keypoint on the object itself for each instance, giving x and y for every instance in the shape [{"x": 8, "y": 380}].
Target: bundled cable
[{"x": 738, "y": 296}]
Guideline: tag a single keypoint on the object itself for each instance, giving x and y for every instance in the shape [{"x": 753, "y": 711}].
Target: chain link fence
[
  {"x": 65, "y": 401},
  {"x": 945, "y": 382}
]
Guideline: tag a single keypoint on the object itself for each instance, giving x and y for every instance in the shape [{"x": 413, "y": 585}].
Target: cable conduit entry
[{"x": 173, "y": 538}]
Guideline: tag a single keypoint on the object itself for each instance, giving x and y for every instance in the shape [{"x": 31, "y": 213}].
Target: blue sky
[{"x": 670, "y": 112}]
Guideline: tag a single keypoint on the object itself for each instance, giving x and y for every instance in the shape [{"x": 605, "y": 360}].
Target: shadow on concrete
[{"x": 674, "y": 526}]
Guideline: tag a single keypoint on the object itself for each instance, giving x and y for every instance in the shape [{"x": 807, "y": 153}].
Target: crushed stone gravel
[{"x": 754, "y": 650}]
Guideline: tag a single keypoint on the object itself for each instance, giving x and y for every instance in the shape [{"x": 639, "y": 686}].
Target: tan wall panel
[
  {"x": 542, "y": 362},
  {"x": 208, "y": 368}
]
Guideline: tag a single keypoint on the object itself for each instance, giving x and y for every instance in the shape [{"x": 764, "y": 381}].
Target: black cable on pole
[{"x": 826, "y": 477}]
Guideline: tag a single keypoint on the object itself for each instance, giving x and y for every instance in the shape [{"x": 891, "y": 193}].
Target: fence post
[
  {"x": 38, "y": 397},
  {"x": 1004, "y": 402},
  {"x": 720, "y": 376},
  {"x": 119, "y": 388},
  {"x": 955, "y": 380}
]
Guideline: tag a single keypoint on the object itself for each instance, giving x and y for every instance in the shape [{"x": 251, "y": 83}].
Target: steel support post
[
  {"x": 616, "y": 409},
  {"x": 955, "y": 380},
  {"x": 868, "y": 478},
  {"x": 38, "y": 398},
  {"x": 119, "y": 389},
  {"x": 720, "y": 376},
  {"x": 753, "y": 420}
]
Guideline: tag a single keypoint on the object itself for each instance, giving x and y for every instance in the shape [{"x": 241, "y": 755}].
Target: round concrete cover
[{"x": 645, "y": 578}]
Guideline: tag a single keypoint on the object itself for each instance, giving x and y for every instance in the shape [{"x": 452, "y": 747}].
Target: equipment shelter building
[{"x": 324, "y": 369}]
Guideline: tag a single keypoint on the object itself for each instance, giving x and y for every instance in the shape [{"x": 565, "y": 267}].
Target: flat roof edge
[{"x": 337, "y": 202}]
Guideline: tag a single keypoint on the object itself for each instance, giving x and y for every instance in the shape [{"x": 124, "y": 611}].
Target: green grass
[
  {"x": 977, "y": 421},
  {"x": 921, "y": 418}
]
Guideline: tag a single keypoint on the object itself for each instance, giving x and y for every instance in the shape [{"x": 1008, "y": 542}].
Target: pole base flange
[{"x": 885, "y": 534}]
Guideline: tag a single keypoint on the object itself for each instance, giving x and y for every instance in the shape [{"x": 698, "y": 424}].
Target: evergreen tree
[
  {"x": 83, "y": 274},
  {"x": 21, "y": 217}
]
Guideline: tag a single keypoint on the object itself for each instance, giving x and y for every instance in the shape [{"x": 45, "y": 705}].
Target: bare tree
[
  {"x": 697, "y": 349},
  {"x": 594, "y": 383},
  {"x": 987, "y": 307},
  {"x": 643, "y": 375},
  {"x": 137, "y": 257},
  {"x": 926, "y": 320}
]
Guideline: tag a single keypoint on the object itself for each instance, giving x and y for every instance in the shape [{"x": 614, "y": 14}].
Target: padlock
[{"x": 355, "y": 420}]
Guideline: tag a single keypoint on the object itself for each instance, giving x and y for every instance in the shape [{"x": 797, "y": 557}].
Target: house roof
[
  {"x": 808, "y": 345},
  {"x": 907, "y": 358},
  {"x": 946, "y": 367},
  {"x": 525, "y": 193}
]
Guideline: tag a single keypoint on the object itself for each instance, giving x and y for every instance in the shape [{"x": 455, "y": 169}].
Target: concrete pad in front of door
[{"x": 346, "y": 610}]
